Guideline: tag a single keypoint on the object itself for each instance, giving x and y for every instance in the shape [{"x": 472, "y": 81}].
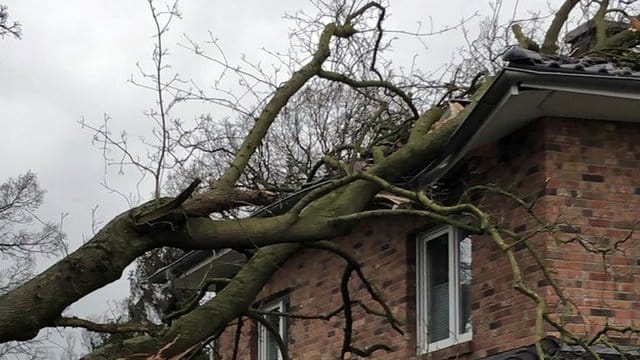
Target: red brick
[{"x": 588, "y": 173}]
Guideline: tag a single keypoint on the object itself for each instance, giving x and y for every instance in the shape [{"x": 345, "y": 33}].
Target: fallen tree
[{"x": 185, "y": 221}]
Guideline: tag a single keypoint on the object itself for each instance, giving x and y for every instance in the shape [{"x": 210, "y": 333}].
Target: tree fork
[{"x": 210, "y": 318}]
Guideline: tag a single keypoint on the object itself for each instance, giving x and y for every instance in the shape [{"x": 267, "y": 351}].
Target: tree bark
[{"x": 40, "y": 302}]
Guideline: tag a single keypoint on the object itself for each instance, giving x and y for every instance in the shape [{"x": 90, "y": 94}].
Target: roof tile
[{"x": 526, "y": 59}]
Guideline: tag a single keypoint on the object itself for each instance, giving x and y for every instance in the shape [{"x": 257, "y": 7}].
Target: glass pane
[
  {"x": 464, "y": 276},
  {"x": 438, "y": 288},
  {"x": 272, "y": 349}
]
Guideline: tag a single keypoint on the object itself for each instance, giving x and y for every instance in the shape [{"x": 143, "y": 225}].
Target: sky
[{"x": 74, "y": 61}]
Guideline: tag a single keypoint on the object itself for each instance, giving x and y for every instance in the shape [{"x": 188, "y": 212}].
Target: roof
[
  {"x": 526, "y": 59},
  {"x": 532, "y": 86},
  {"x": 529, "y": 87},
  {"x": 557, "y": 349}
]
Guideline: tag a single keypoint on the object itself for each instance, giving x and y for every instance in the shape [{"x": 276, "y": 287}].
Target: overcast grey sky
[{"x": 74, "y": 61}]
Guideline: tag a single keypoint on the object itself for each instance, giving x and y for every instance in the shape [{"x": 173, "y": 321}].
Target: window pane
[
  {"x": 272, "y": 349},
  {"x": 464, "y": 276},
  {"x": 438, "y": 288}
]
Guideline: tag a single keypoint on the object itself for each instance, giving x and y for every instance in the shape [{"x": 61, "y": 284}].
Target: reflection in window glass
[
  {"x": 438, "y": 288},
  {"x": 268, "y": 345},
  {"x": 444, "y": 289},
  {"x": 464, "y": 279},
  {"x": 272, "y": 349}
]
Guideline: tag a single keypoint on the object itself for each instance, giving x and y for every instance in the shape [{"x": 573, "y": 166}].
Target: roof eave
[{"x": 494, "y": 111}]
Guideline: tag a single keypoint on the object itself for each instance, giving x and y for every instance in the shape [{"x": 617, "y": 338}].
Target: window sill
[{"x": 452, "y": 351}]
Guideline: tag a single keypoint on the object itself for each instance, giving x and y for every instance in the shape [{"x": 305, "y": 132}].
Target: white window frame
[
  {"x": 278, "y": 306},
  {"x": 423, "y": 345}
]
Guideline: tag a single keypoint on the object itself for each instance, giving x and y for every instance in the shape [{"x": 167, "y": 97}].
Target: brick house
[{"x": 566, "y": 133}]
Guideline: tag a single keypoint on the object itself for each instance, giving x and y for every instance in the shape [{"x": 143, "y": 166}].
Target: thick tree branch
[
  {"x": 550, "y": 44},
  {"x": 622, "y": 40},
  {"x": 275, "y": 105},
  {"x": 601, "y": 24},
  {"x": 523, "y": 40},
  {"x": 210, "y": 318},
  {"x": 219, "y": 200},
  {"x": 40, "y": 302}
]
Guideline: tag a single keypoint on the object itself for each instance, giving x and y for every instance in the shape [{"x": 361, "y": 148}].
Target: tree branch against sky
[
  {"x": 24, "y": 239},
  {"x": 334, "y": 107},
  {"x": 8, "y": 27}
]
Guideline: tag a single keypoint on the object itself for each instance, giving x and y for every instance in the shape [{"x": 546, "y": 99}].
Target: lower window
[
  {"x": 444, "y": 289},
  {"x": 268, "y": 348}
]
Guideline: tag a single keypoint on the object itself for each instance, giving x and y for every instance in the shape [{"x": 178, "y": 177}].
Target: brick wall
[
  {"x": 586, "y": 173},
  {"x": 311, "y": 283},
  {"x": 504, "y": 319},
  {"x": 594, "y": 172}
]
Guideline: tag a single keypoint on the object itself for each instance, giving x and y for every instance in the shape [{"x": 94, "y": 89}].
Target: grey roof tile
[{"x": 526, "y": 59}]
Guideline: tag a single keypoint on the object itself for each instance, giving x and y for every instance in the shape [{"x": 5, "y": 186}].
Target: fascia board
[{"x": 512, "y": 82}]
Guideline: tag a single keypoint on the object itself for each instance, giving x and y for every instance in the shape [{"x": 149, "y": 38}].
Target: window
[
  {"x": 444, "y": 289},
  {"x": 267, "y": 345}
]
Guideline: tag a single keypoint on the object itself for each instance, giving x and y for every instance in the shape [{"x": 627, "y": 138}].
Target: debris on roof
[
  {"x": 591, "y": 65},
  {"x": 455, "y": 106}
]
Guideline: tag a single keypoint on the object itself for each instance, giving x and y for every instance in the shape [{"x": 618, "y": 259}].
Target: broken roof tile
[{"x": 526, "y": 59}]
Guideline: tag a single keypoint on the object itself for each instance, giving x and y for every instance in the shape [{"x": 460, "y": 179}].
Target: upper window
[
  {"x": 444, "y": 289},
  {"x": 267, "y": 344}
]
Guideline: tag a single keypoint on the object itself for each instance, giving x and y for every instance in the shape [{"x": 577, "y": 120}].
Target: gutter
[{"x": 511, "y": 82}]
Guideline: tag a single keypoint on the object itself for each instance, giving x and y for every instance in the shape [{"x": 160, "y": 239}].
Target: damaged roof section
[
  {"x": 518, "y": 58},
  {"x": 530, "y": 87},
  {"x": 228, "y": 262}
]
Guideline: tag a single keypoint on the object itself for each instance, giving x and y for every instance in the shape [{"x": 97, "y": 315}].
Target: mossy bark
[
  {"x": 40, "y": 301},
  {"x": 209, "y": 319},
  {"x": 191, "y": 330}
]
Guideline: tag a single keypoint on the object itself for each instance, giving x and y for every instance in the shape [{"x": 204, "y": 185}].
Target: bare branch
[
  {"x": 7, "y": 28},
  {"x": 329, "y": 75}
]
